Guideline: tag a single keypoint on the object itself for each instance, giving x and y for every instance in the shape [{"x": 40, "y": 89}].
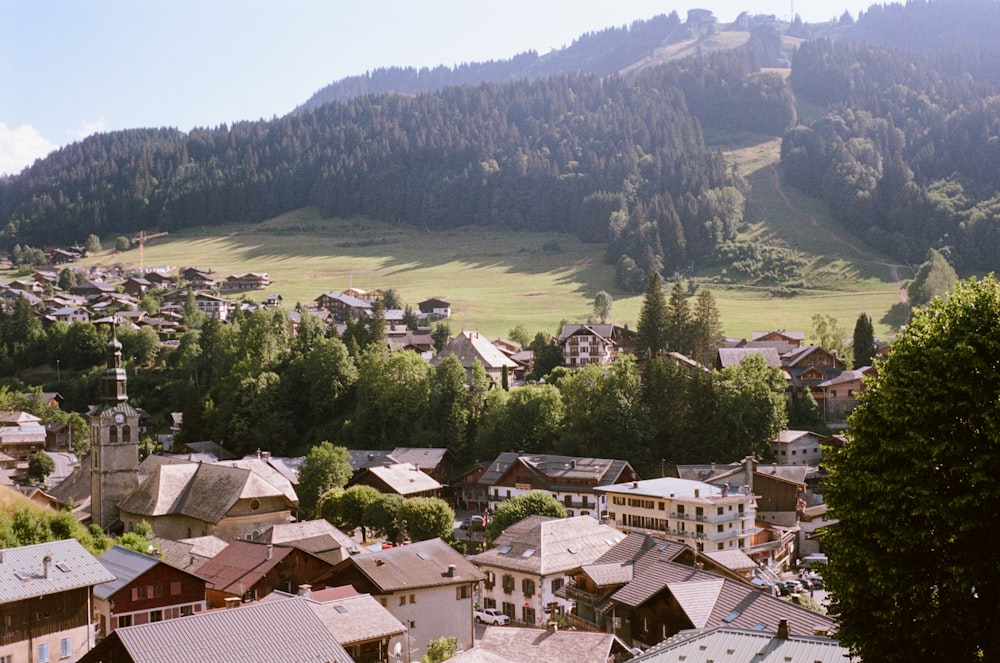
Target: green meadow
[{"x": 496, "y": 279}]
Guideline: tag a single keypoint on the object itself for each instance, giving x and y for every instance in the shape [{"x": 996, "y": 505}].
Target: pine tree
[
  {"x": 679, "y": 322},
  {"x": 864, "y": 341},
  {"x": 706, "y": 332},
  {"x": 651, "y": 330}
]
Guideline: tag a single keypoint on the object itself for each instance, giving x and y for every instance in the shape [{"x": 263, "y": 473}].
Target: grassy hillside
[{"x": 497, "y": 279}]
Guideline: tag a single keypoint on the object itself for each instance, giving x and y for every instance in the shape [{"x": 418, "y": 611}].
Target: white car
[{"x": 491, "y": 616}]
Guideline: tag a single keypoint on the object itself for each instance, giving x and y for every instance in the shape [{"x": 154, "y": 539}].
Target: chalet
[
  {"x": 91, "y": 289},
  {"x": 212, "y": 306},
  {"x": 246, "y": 571},
  {"x": 247, "y": 281},
  {"x": 34, "y": 287},
  {"x": 405, "y": 339},
  {"x": 699, "y": 514},
  {"x": 734, "y": 356},
  {"x": 46, "y": 592},
  {"x": 840, "y": 394},
  {"x": 439, "y": 463},
  {"x": 435, "y": 308},
  {"x": 362, "y": 459},
  {"x": 189, "y": 554},
  {"x": 62, "y": 256},
  {"x": 144, "y": 590},
  {"x": 810, "y": 366},
  {"x": 782, "y": 340},
  {"x": 198, "y": 278},
  {"x": 70, "y": 314},
  {"x": 9, "y": 297},
  {"x": 594, "y": 343},
  {"x": 342, "y": 306},
  {"x": 531, "y": 561},
  {"x": 136, "y": 286},
  {"x": 469, "y": 347},
  {"x": 571, "y": 480},
  {"x": 181, "y": 500},
  {"x": 427, "y": 586},
  {"x": 647, "y": 589},
  {"x": 157, "y": 279},
  {"x": 317, "y": 537},
  {"x": 274, "y": 631},
  {"x": 403, "y": 479},
  {"x": 797, "y": 447},
  {"x": 22, "y": 435},
  {"x": 358, "y": 622}
]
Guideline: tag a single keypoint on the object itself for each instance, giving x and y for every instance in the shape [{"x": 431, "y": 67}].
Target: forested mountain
[
  {"x": 907, "y": 156},
  {"x": 604, "y": 158}
]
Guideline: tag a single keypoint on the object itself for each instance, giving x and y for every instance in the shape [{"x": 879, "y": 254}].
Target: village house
[
  {"x": 572, "y": 480},
  {"x": 437, "y": 462},
  {"x": 699, "y": 514},
  {"x": 198, "y": 279},
  {"x": 840, "y": 394},
  {"x": 646, "y": 589},
  {"x": 343, "y": 307},
  {"x": 246, "y": 571},
  {"x": 145, "y": 589},
  {"x": 531, "y": 561},
  {"x": 427, "y": 586},
  {"x": 470, "y": 347},
  {"x": 317, "y": 537},
  {"x": 247, "y": 281},
  {"x": 773, "y": 646},
  {"x": 403, "y": 479},
  {"x": 275, "y": 631},
  {"x": 810, "y": 366},
  {"x": 22, "y": 435},
  {"x": 46, "y": 599},
  {"x": 358, "y": 622},
  {"x": 594, "y": 343},
  {"x": 70, "y": 314},
  {"x": 512, "y": 644},
  {"x": 435, "y": 307},
  {"x": 136, "y": 286},
  {"x": 798, "y": 447}
]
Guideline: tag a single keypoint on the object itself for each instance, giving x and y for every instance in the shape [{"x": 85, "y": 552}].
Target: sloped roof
[
  {"x": 125, "y": 565},
  {"x": 241, "y": 565},
  {"x": 542, "y": 545},
  {"x": 550, "y": 468},
  {"x": 203, "y": 491},
  {"x": 355, "y": 619},
  {"x": 318, "y": 537},
  {"x": 22, "y": 570},
  {"x": 422, "y": 457},
  {"x": 189, "y": 554},
  {"x": 733, "y": 356},
  {"x": 365, "y": 458},
  {"x": 604, "y": 575},
  {"x": 273, "y": 631},
  {"x": 470, "y": 347},
  {"x": 697, "y": 598},
  {"x": 405, "y": 478},
  {"x": 421, "y": 564},
  {"x": 733, "y": 559},
  {"x": 737, "y": 644},
  {"x": 529, "y": 645}
]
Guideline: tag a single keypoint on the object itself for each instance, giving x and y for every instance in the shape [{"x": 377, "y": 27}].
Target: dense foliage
[{"x": 914, "y": 574}]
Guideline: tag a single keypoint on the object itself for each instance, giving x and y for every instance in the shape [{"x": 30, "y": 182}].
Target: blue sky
[{"x": 69, "y": 68}]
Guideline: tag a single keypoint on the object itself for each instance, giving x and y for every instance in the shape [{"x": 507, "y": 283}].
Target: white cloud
[
  {"x": 90, "y": 128},
  {"x": 20, "y": 147}
]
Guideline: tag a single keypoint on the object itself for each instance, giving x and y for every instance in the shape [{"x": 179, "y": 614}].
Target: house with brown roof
[
  {"x": 342, "y": 306},
  {"x": 572, "y": 480},
  {"x": 274, "y": 631},
  {"x": 531, "y": 561},
  {"x": 247, "y": 281},
  {"x": 247, "y": 571},
  {"x": 404, "y": 479},
  {"x": 46, "y": 592},
  {"x": 594, "y": 343},
  {"x": 145, "y": 589},
  {"x": 359, "y": 623},
  {"x": 810, "y": 366},
  {"x": 427, "y": 586},
  {"x": 437, "y": 462},
  {"x": 317, "y": 537},
  {"x": 435, "y": 308},
  {"x": 646, "y": 589},
  {"x": 183, "y": 499}
]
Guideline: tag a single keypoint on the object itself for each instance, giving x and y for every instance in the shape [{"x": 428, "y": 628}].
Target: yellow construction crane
[{"x": 141, "y": 240}]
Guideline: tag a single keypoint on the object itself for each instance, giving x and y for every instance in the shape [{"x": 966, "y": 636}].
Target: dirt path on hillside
[{"x": 904, "y": 298}]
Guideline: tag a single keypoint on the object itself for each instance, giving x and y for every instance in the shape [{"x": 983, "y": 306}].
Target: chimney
[
  {"x": 725, "y": 489},
  {"x": 635, "y": 484},
  {"x": 782, "y": 633},
  {"x": 697, "y": 492},
  {"x": 451, "y": 570},
  {"x": 46, "y": 563},
  {"x": 748, "y": 470},
  {"x": 270, "y": 550},
  {"x": 305, "y": 591},
  {"x": 233, "y": 602}
]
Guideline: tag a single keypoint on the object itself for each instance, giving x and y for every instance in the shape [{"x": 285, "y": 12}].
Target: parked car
[
  {"x": 789, "y": 587},
  {"x": 477, "y": 522},
  {"x": 465, "y": 524},
  {"x": 491, "y": 616}
]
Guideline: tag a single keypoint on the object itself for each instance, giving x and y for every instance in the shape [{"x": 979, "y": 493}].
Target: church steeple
[{"x": 114, "y": 378}]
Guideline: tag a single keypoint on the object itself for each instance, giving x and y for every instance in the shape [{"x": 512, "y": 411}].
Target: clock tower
[{"x": 114, "y": 442}]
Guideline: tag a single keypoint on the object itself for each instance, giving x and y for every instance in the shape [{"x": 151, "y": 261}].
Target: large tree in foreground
[{"x": 914, "y": 565}]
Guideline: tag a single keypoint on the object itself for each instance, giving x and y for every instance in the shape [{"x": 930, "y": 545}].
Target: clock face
[{"x": 119, "y": 418}]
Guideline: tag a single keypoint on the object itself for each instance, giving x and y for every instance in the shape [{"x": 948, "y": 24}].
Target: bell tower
[{"x": 114, "y": 441}]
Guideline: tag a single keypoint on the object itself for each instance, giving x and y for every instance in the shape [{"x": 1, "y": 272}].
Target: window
[
  {"x": 528, "y": 614},
  {"x": 489, "y": 603},
  {"x": 720, "y": 528},
  {"x": 155, "y": 615},
  {"x": 508, "y": 609},
  {"x": 461, "y": 592},
  {"x": 508, "y": 583},
  {"x": 382, "y": 601},
  {"x": 719, "y": 512},
  {"x": 135, "y": 593},
  {"x": 126, "y": 433},
  {"x": 187, "y": 610},
  {"x": 43, "y": 652},
  {"x": 662, "y": 505},
  {"x": 491, "y": 580},
  {"x": 124, "y": 620},
  {"x": 413, "y": 598},
  {"x": 402, "y": 600},
  {"x": 65, "y": 648},
  {"x": 557, "y": 584},
  {"x": 175, "y": 587},
  {"x": 528, "y": 586}
]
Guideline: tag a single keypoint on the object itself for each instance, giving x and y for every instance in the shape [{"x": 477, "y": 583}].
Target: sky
[{"x": 70, "y": 68}]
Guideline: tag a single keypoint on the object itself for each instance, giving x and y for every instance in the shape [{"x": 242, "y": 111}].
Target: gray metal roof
[
  {"x": 125, "y": 565},
  {"x": 22, "y": 570},
  {"x": 752, "y": 646},
  {"x": 275, "y": 632}
]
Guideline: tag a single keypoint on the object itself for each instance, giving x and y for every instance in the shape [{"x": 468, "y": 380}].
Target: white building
[{"x": 702, "y": 515}]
